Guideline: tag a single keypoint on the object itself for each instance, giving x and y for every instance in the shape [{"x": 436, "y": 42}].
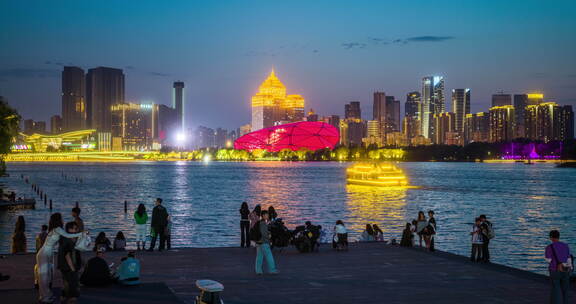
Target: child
[{"x": 477, "y": 241}]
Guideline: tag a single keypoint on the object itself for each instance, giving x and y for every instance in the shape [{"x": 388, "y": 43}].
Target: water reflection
[{"x": 380, "y": 205}]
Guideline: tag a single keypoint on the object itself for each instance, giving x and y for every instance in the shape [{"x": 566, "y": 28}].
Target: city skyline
[{"x": 329, "y": 69}]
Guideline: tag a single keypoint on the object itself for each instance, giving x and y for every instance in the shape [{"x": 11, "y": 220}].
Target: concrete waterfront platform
[{"x": 367, "y": 273}]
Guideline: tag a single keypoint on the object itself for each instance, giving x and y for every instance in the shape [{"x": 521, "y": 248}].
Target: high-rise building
[
  {"x": 432, "y": 103},
  {"x": 56, "y": 124},
  {"x": 379, "y": 111},
  {"x": 220, "y": 138},
  {"x": 167, "y": 128},
  {"x": 460, "y": 107},
  {"x": 501, "y": 99},
  {"x": 373, "y": 135},
  {"x": 133, "y": 126},
  {"x": 312, "y": 116},
  {"x": 548, "y": 121},
  {"x": 392, "y": 121},
  {"x": 74, "y": 107},
  {"x": 356, "y": 131},
  {"x": 535, "y": 98},
  {"x": 271, "y": 105},
  {"x": 520, "y": 104},
  {"x": 412, "y": 105},
  {"x": 411, "y": 127},
  {"x": 205, "y": 137},
  {"x": 104, "y": 88},
  {"x": 502, "y": 123},
  {"x": 477, "y": 128},
  {"x": 178, "y": 104},
  {"x": 444, "y": 123},
  {"x": 352, "y": 110},
  {"x": 566, "y": 123}
]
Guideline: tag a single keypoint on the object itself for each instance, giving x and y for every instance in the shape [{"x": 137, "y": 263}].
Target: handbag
[{"x": 84, "y": 243}]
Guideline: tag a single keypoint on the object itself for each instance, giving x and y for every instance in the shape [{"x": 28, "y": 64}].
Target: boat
[
  {"x": 376, "y": 175},
  {"x": 19, "y": 203}
]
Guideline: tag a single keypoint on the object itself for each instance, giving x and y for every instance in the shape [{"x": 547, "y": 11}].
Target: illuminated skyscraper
[
  {"x": 432, "y": 103},
  {"x": 535, "y": 98},
  {"x": 73, "y": 99},
  {"x": 379, "y": 111},
  {"x": 334, "y": 120},
  {"x": 412, "y": 105},
  {"x": 271, "y": 104},
  {"x": 178, "y": 105},
  {"x": 548, "y": 121},
  {"x": 56, "y": 124},
  {"x": 477, "y": 128},
  {"x": 502, "y": 123},
  {"x": 104, "y": 88},
  {"x": 392, "y": 121},
  {"x": 444, "y": 124},
  {"x": 460, "y": 107},
  {"x": 520, "y": 104},
  {"x": 501, "y": 99},
  {"x": 133, "y": 126}
]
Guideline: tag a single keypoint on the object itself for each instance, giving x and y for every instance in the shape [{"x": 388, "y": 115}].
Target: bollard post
[
  {"x": 45, "y": 200},
  {"x": 125, "y": 206},
  {"x": 77, "y": 205},
  {"x": 50, "y": 204},
  {"x": 44, "y": 196}
]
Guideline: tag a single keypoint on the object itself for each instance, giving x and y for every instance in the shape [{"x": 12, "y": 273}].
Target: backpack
[
  {"x": 255, "y": 234},
  {"x": 490, "y": 230}
]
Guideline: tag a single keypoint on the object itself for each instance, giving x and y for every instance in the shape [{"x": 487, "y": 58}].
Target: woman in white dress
[{"x": 44, "y": 258}]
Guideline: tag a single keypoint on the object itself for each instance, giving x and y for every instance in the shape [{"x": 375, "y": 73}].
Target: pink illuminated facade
[{"x": 312, "y": 135}]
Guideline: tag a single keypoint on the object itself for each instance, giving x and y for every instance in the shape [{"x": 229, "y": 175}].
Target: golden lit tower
[{"x": 271, "y": 104}]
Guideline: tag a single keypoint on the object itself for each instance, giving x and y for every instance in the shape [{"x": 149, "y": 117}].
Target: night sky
[{"x": 331, "y": 52}]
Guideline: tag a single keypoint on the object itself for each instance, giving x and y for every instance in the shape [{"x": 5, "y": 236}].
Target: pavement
[{"x": 367, "y": 273}]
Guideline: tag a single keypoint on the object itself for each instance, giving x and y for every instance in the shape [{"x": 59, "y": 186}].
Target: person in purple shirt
[{"x": 560, "y": 266}]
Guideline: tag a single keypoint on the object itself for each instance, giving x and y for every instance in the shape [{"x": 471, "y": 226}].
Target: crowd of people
[{"x": 260, "y": 228}]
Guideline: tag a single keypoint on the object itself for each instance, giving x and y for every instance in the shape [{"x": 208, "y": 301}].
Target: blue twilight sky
[{"x": 331, "y": 52}]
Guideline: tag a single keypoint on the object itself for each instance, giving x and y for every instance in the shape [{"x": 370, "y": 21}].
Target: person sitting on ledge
[
  {"x": 407, "y": 236},
  {"x": 102, "y": 242},
  {"x": 96, "y": 273},
  {"x": 129, "y": 270},
  {"x": 378, "y": 233},
  {"x": 119, "y": 242},
  {"x": 368, "y": 234}
]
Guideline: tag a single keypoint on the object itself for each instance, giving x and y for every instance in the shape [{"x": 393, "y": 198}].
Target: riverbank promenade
[{"x": 367, "y": 273}]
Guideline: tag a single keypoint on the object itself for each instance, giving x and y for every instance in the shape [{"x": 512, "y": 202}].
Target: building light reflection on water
[{"x": 375, "y": 205}]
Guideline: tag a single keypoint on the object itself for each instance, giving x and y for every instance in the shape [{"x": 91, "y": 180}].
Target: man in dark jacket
[
  {"x": 96, "y": 272},
  {"x": 158, "y": 225}
]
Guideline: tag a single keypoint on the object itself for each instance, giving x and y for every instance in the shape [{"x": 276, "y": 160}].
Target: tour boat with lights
[{"x": 378, "y": 175}]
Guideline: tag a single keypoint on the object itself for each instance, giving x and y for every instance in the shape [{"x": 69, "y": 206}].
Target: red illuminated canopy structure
[{"x": 312, "y": 135}]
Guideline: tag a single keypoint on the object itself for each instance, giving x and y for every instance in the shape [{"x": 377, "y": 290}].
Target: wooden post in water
[
  {"x": 125, "y": 206},
  {"x": 50, "y": 204},
  {"x": 45, "y": 200},
  {"x": 77, "y": 206}
]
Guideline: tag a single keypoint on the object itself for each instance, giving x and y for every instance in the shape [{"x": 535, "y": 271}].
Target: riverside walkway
[{"x": 367, "y": 273}]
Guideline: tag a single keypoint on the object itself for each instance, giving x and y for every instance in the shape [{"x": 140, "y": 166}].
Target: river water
[{"x": 523, "y": 202}]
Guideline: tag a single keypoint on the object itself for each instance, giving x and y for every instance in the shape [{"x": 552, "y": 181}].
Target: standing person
[
  {"x": 140, "y": 219},
  {"x": 378, "y": 233},
  {"x": 432, "y": 227},
  {"x": 263, "y": 250},
  {"x": 407, "y": 236},
  {"x": 69, "y": 263},
  {"x": 487, "y": 226},
  {"x": 244, "y": 225},
  {"x": 44, "y": 267},
  {"x": 272, "y": 213},
  {"x": 560, "y": 266},
  {"x": 477, "y": 241},
  {"x": 254, "y": 216},
  {"x": 158, "y": 225},
  {"x": 340, "y": 238},
  {"x": 421, "y": 225},
  {"x": 41, "y": 237},
  {"x": 19, "y": 236},
  {"x": 77, "y": 219},
  {"x": 168, "y": 233}
]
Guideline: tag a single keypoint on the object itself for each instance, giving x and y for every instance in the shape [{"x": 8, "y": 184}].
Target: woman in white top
[
  {"x": 44, "y": 265},
  {"x": 340, "y": 238}
]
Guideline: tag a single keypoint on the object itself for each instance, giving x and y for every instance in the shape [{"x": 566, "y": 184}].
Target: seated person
[
  {"x": 102, "y": 242},
  {"x": 96, "y": 272},
  {"x": 128, "y": 272},
  {"x": 119, "y": 242},
  {"x": 368, "y": 234}
]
